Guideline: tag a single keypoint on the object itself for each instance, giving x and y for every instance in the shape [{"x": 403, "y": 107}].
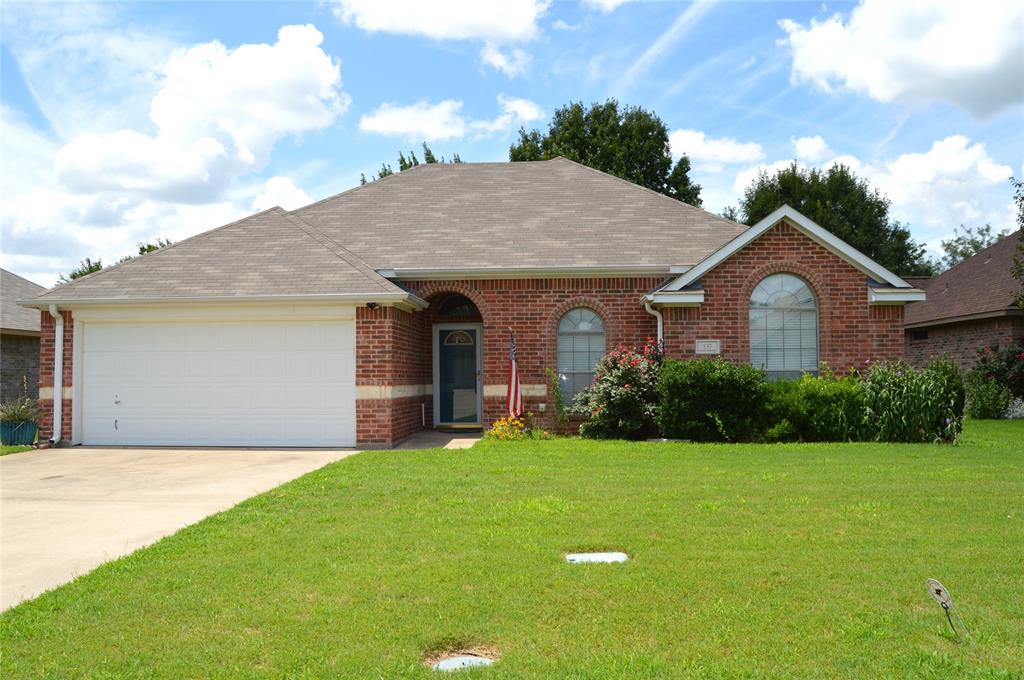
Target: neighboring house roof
[
  {"x": 979, "y": 287},
  {"x": 270, "y": 255},
  {"x": 13, "y": 317},
  {"x": 532, "y": 215}
]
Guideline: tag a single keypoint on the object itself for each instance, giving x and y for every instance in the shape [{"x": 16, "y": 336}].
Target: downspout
[
  {"x": 58, "y": 373},
  {"x": 661, "y": 324}
]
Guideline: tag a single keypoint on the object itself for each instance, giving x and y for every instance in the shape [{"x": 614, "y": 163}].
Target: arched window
[
  {"x": 580, "y": 346},
  {"x": 784, "y": 327}
]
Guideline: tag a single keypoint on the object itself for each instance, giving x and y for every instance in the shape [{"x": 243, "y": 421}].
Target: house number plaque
[{"x": 708, "y": 347}]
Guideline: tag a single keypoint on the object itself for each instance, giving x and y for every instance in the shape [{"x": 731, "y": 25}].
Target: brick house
[
  {"x": 385, "y": 309},
  {"x": 19, "y": 338},
  {"x": 969, "y": 307}
]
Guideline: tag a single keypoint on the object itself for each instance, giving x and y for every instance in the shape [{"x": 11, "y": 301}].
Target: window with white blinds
[
  {"x": 784, "y": 327},
  {"x": 580, "y": 347}
]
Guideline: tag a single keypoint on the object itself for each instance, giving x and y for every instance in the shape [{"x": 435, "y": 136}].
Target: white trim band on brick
[
  {"x": 367, "y": 392},
  {"x": 529, "y": 390},
  {"x": 46, "y": 393}
]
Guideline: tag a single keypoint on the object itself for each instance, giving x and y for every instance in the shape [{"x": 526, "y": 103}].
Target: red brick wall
[
  {"x": 390, "y": 352},
  {"x": 532, "y": 308},
  {"x": 46, "y": 347},
  {"x": 961, "y": 341},
  {"x": 850, "y": 330}
]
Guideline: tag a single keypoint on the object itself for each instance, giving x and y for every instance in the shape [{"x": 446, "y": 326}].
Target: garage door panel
[{"x": 218, "y": 383}]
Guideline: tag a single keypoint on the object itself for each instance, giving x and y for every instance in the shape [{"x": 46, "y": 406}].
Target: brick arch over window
[
  {"x": 611, "y": 328},
  {"x": 440, "y": 288},
  {"x": 820, "y": 294}
]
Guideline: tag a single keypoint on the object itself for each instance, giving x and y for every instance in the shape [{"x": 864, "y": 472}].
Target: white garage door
[{"x": 246, "y": 383}]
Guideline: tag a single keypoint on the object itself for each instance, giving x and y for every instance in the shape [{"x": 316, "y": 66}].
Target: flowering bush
[
  {"x": 515, "y": 428},
  {"x": 1004, "y": 366},
  {"x": 622, "y": 402}
]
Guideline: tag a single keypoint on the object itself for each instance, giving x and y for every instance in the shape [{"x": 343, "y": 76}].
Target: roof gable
[{"x": 806, "y": 226}]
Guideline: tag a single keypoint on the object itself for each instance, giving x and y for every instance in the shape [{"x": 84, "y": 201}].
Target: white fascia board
[
  {"x": 817, "y": 233},
  {"x": 686, "y": 298},
  {"x": 894, "y": 296},
  {"x": 610, "y": 271},
  {"x": 397, "y": 299}
]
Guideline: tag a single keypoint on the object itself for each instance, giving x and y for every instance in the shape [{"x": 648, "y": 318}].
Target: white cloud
[
  {"x": 417, "y": 122},
  {"x": 968, "y": 53},
  {"x": 78, "y": 57},
  {"x": 713, "y": 153},
  {"x": 505, "y": 21},
  {"x": 512, "y": 63},
  {"x": 442, "y": 121},
  {"x": 560, "y": 25},
  {"x": 218, "y": 114},
  {"x": 954, "y": 182},
  {"x": 496, "y": 24},
  {"x": 605, "y": 6},
  {"x": 666, "y": 42},
  {"x": 811, "y": 149},
  {"x": 280, "y": 191}
]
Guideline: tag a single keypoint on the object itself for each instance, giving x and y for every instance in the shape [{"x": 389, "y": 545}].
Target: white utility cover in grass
[
  {"x": 213, "y": 383},
  {"x": 457, "y": 663},
  {"x": 596, "y": 557}
]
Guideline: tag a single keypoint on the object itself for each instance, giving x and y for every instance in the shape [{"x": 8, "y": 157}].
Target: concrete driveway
[{"x": 63, "y": 512}]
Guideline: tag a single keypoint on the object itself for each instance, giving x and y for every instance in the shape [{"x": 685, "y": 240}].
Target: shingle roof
[
  {"x": 553, "y": 213},
  {"x": 266, "y": 255},
  {"x": 12, "y": 289},
  {"x": 977, "y": 286}
]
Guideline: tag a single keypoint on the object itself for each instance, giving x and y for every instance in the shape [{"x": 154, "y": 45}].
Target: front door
[{"x": 457, "y": 375}]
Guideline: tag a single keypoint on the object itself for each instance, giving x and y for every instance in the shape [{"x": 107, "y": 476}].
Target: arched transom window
[
  {"x": 784, "y": 327},
  {"x": 580, "y": 346}
]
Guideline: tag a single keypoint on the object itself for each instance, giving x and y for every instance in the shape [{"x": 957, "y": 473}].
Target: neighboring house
[
  {"x": 19, "y": 338},
  {"x": 969, "y": 306},
  {"x": 369, "y": 315}
]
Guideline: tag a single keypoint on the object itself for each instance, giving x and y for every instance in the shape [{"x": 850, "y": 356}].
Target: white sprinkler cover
[
  {"x": 582, "y": 558},
  {"x": 457, "y": 663}
]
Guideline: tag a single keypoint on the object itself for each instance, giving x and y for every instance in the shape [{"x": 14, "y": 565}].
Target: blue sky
[{"x": 127, "y": 122}]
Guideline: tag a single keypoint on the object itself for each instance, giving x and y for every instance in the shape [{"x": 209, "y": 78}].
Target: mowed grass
[
  {"x": 6, "y": 449},
  {"x": 804, "y": 561}
]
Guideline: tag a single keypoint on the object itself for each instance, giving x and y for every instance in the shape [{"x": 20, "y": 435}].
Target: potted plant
[{"x": 18, "y": 421}]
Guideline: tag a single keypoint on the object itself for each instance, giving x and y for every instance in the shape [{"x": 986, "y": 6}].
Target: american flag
[{"x": 515, "y": 390}]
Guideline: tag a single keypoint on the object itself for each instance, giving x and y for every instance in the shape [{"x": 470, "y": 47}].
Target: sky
[{"x": 122, "y": 123}]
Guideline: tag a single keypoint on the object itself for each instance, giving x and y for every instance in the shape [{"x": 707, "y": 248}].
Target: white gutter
[
  {"x": 584, "y": 272},
  {"x": 344, "y": 298},
  {"x": 661, "y": 324},
  {"x": 58, "y": 372},
  {"x": 895, "y": 296}
]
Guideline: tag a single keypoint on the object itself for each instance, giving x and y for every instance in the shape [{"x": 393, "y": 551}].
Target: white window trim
[{"x": 817, "y": 323}]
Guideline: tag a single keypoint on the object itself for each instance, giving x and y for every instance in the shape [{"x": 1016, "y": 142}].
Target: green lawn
[
  {"x": 4, "y": 449},
  {"x": 804, "y": 561}
]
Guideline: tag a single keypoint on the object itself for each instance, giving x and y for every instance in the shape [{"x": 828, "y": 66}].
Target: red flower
[{"x": 626, "y": 386}]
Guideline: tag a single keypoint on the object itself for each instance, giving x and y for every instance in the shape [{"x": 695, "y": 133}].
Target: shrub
[
  {"x": 515, "y": 428},
  {"x": 712, "y": 400},
  {"x": 622, "y": 402},
  {"x": 20, "y": 409},
  {"x": 823, "y": 408},
  {"x": 1002, "y": 365},
  {"x": 1015, "y": 410},
  {"x": 986, "y": 398},
  {"x": 904, "y": 405}
]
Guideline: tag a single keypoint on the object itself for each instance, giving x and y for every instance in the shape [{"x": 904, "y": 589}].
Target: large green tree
[
  {"x": 410, "y": 161},
  {"x": 625, "y": 141},
  {"x": 968, "y": 242},
  {"x": 89, "y": 265},
  {"x": 844, "y": 204}
]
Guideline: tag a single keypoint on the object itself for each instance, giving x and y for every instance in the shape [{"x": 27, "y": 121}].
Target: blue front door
[{"x": 458, "y": 398}]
